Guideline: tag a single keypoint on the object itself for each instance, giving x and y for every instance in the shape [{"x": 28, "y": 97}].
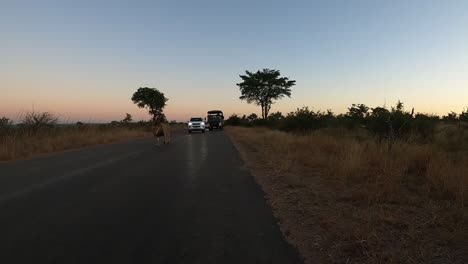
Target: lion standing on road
[{"x": 161, "y": 129}]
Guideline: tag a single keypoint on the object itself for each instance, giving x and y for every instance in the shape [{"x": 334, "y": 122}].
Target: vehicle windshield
[
  {"x": 214, "y": 117},
  {"x": 196, "y": 119}
]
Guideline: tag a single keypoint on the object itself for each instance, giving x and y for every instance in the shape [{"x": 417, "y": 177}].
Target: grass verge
[
  {"x": 344, "y": 200},
  {"x": 18, "y": 145}
]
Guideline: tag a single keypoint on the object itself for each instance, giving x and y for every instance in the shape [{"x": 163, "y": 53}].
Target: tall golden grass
[
  {"x": 383, "y": 170},
  {"x": 20, "y": 144},
  {"x": 343, "y": 198}
]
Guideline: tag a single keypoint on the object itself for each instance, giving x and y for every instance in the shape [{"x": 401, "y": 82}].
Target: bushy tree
[
  {"x": 452, "y": 116},
  {"x": 276, "y": 116},
  {"x": 128, "y": 119},
  {"x": 264, "y": 87},
  {"x": 328, "y": 118},
  {"x": 424, "y": 125},
  {"x": 378, "y": 121},
  {"x": 400, "y": 121},
  {"x": 40, "y": 119},
  {"x": 464, "y": 115},
  {"x": 162, "y": 118},
  {"x": 233, "y": 120},
  {"x": 151, "y": 99},
  {"x": 389, "y": 123},
  {"x": 358, "y": 113},
  {"x": 303, "y": 119},
  {"x": 252, "y": 117},
  {"x": 33, "y": 121}
]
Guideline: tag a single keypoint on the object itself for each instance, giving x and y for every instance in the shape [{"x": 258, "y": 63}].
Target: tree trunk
[
  {"x": 267, "y": 110},
  {"x": 263, "y": 110}
]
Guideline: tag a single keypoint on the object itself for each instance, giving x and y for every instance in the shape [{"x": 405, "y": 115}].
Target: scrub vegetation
[
  {"x": 373, "y": 185},
  {"x": 39, "y": 132}
]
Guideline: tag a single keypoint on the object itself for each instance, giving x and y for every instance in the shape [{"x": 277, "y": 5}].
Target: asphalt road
[{"x": 192, "y": 201}]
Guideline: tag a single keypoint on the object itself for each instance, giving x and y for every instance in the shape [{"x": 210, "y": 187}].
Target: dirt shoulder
[{"x": 335, "y": 220}]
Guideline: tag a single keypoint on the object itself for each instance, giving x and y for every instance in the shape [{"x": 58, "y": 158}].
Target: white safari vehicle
[{"x": 196, "y": 124}]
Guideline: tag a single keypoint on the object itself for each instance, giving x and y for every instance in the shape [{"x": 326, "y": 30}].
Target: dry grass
[
  {"x": 22, "y": 145},
  {"x": 346, "y": 200}
]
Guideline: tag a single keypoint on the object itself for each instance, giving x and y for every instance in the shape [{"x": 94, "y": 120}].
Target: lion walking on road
[{"x": 161, "y": 129}]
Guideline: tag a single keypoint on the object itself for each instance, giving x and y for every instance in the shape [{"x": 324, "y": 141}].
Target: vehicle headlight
[
  {"x": 190, "y": 123},
  {"x": 202, "y": 123},
  {"x": 220, "y": 123}
]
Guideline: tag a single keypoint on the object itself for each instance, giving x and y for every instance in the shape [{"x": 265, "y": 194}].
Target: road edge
[{"x": 254, "y": 172}]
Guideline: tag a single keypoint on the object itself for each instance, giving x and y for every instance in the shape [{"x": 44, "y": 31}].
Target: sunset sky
[{"x": 82, "y": 60}]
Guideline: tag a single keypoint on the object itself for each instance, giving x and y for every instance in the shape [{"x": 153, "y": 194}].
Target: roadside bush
[
  {"x": 450, "y": 117},
  {"x": 34, "y": 121},
  {"x": 424, "y": 126},
  {"x": 127, "y": 121},
  {"x": 385, "y": 124},
  {"x": 302, "y": 119},
  {"x": 378, "y": 121},
  {"x": 260, "y": 123},
  {"x": 464, "y": 116},
  {"x": 400, "y": 121},
  {"x": 114, "y": 123},
  {"x": 5, "y": 125},
  {"x": 358, "y": 113},
  {"x": 235, "y": 120},
  {"x": 5, "y": 122}
]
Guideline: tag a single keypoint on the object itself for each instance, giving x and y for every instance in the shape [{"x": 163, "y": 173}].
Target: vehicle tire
[
  {"x": 211, "y": 129},
  {"x": 203, "y": 131},
  {"x": 190, "y": 132}
]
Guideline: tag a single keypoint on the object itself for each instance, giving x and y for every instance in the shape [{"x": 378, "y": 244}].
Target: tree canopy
[
  {"x": 252, "y": 117},
  {"x": 128, "y": 118},
  {"x": 151, "y": 99},
  {"x": 264, "y": 87}
]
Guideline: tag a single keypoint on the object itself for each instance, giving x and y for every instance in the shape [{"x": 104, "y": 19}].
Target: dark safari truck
[{"x": 215, "y": 119}]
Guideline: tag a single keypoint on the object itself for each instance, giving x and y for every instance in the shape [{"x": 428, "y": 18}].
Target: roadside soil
[{"x": 329, "y": 224}]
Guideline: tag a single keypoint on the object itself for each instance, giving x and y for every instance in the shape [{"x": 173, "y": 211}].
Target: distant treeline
[
  {"x": 395, "y": 122},
  {"x": 38, "y": 122}
]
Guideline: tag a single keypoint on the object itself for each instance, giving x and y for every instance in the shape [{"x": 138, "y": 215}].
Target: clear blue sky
[{"x": 83, "y": 59}]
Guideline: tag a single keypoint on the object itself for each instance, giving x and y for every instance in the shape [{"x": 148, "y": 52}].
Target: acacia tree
[
  {"x": 151, "y": 99},
  {"x": 264, "y": 87},
  {"x": 128, "y": 118}
]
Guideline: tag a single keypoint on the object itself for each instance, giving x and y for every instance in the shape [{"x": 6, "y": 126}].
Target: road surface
[{"x": 189, "y": 202}]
